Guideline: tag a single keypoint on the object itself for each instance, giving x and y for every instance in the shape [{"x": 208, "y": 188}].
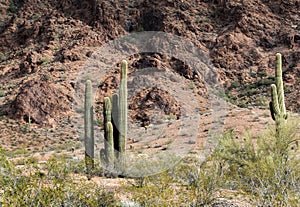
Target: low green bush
[
  {"x": 191, "y": 183},
  {"x": 51, "y": 185},
  {"x": 267, "y": 168}
]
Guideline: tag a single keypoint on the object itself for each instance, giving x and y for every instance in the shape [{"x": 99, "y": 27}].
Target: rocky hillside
[{"x": 44, "y": 44}]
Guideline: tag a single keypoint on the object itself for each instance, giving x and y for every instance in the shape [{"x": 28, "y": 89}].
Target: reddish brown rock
[
  {"x": 146, "y": 103},
  {"x": 42, "y": 101}
]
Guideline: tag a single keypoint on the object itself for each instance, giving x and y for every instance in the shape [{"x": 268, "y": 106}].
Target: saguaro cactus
[
  {"x": 123, "y": 108},
  {"x": 115, "y": 125},
  {"x": 88, "y": 127},
  {"x": 277, "y": 105}
]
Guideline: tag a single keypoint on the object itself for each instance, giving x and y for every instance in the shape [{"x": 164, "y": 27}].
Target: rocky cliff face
[{"x": 45, "y": 43}]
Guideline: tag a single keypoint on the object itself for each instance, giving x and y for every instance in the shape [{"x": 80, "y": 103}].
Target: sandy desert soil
[{"x": 45, "y": 46}]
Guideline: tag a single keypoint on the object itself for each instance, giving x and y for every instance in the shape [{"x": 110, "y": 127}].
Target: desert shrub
[
  {"x": 49, "y": 185},
  {"x": 44, "y": 61},
  {"x": 2, "y": 57},
  {"x": 157, "y": 190},
  {"x": 202, "y": 181},
  {"x": 268, "y": 169},
  {"x": 2, "y": 93},
  {"x": 190, "y": 183}
]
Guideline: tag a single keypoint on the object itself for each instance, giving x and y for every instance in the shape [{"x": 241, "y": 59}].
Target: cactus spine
[
  {"x": 88, "y": 127},
  {"x": 277, "y": 105}
]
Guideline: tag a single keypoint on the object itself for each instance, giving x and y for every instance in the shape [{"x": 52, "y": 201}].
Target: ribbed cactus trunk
[
  {"x": 123, "y": 107},
  {"x": 88, "y": 127},
  {"x": 277, "y": 105},
  {"x": 122, "y": 122}
]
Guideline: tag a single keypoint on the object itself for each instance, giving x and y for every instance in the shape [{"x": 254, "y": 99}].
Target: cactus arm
[
  {"x": 106, "y": 114},
  {"x": 272, "y": 110},
  {"x": 88, "y": 127},
  {"x": 279, "y": 83},
  {"x": 107, "y": 110},
  {"x": 107, "y": 134},
  {"x": 275, "y": 105}
]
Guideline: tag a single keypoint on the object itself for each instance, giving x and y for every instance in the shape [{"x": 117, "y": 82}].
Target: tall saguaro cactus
[
  {"x": 277, "y": 105},
  {"x": 122, "y": 123},
  {"x": 88, "y": 127}
]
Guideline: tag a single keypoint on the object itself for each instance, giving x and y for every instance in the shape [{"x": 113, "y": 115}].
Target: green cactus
[
  {"x": 277, "y": 105},
  {"x": 123, "y": 108},
  {"x": 106, "y": 113},
  {"x": 88, "y": 128},
  {"x": 115, "y": 125},
  {"x": 107, "y": 110},
  {"x": 109, "y": 146}
]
